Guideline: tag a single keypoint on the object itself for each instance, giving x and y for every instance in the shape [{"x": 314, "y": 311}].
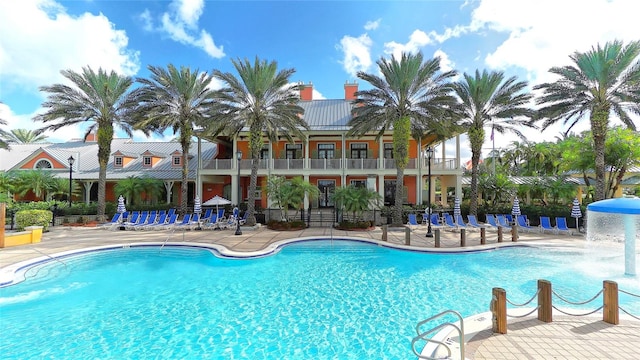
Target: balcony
[{"x": 330, "y": 164}]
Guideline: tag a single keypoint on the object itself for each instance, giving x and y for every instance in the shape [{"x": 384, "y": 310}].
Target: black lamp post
[
  {"x": 71, "y": 160},
  {"x": 429, "y": 155},
  {"x": 238, "y": 231}
]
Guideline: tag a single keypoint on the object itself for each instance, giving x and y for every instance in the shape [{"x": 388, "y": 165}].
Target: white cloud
[
  {"x": 357, "y": 53},
  {"x": 372, "y": 25},
  {"x": 317, "y": 95},
  {"x": 445, "y": 63},
  {"x": 539, "y": 39},
  {"x": 417, "y": 40},
  {"x": 180, "y": 23},
  {"x": 45, "y": 39},
  {"x": 189, "y": 11}
]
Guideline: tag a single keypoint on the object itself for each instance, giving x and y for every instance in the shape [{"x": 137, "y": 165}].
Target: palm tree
[
  {"x": 98, "y": 98},
  {"x": 487, "y": 99},
  {"x": 174, "y": 99},
  {"x": 24, "y": 136},
  {"x": 4, "y": 143},
  {"x": 40, "y": 182},
  {"x": 130, "y": 188},
  {"x": 413, "y": 98},
  {"x": 601, "y": 82},
  {"x": 261, "y": 101}
]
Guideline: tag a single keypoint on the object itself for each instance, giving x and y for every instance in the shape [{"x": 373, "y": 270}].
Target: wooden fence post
[
  {"x": 499, "y": 234},
  {"x": 610, "y": 313},
  {"x": 436, "y": 237},
  {"x": 499, "y": 310},
  {"x": 544, "y": 301},
  {"x": 514, "y": 233},
  {"x": 463, "y": 237},
  {"x": 384, "y": 232},
  {"x": 407, "y": 236},
  {"x": 483, "y": 236}
]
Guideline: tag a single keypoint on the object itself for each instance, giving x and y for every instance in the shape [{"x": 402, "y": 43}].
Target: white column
[
  {"x": 307, "y": 162},
  {"x": 306, "y": 196},
  {"x": 381, "y": 153},
  {"x": 419, "y": 177},
  {"x": 457, "y": 151},
  {"x": 199, "y": 170},
  {"x": 381, "y": 187},
  {"x": 168, "y": 186},
  {"x": 235, "y": 181},
  {"x": 87, "y": 190}
]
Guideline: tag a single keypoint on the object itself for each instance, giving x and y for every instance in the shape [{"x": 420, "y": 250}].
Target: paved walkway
[{"x": 565, "y": 338}]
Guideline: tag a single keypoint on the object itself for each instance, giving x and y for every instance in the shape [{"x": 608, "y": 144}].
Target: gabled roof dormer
[
  {"x": 176, "y": 159},
  {"x": 122, "y": 159},
  {"x": 151, "y": 159}
]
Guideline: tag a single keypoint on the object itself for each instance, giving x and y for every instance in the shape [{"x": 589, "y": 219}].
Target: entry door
[{"x": 326, "y": 187}]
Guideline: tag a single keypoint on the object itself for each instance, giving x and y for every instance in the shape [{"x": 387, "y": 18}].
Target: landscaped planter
[{"x": 30, "y": 235}]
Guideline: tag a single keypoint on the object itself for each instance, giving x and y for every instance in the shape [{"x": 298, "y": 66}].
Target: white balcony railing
[{"x": 327, "y": 164}]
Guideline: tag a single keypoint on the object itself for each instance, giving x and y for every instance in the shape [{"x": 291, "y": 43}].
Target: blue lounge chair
[
  {"x": 168, "y": 225},
  {"x": 561, "y": 225},
  {"x": 425, "y": 218},
  {"x": 491, "y": 221},
  {"x": 142, "y": 219},
  {"x": 185, "y": 224},
  {"x": 161, "y": 222},
  {"x": 435, "y": 220},
  {"x": 151, "y": 219},
  {"x": 545, "y": 225},
  {"x": 134, "y": 218},
  {"x": 412, "y": 221},
  {"x": 115, "y": 221},
  {"x": 448, "y": 222},
  {"x": 460, "y": 222},
  {"x": 220, "y": 213},
  {"x": 509, "y": 218},
  {"x": 523, "y": 225},
  {"x": 243, "y": 219},
  {"x": 473, "y": 222},
  {"x": 502, "y": 221},
  {"x": 195, "y": 221},
  {"x": 207, "y": 215}
]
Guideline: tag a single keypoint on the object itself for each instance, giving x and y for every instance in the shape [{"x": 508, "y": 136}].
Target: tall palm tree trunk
[
  {"x": 476, "y": 138},
  {"x": 105, "y": 135},
  {"x": 255, "y": 145},
  {"x": 599, "y": 121},
  {"x": 184, "y": 186},
  {"x": 397, "y": 208}
]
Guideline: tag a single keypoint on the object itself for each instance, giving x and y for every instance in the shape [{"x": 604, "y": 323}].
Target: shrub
[
  {"x": 26, "y": 218},
  {"x": 286, "y": 225}
]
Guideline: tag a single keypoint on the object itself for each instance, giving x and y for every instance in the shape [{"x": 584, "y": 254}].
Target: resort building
[{"x": 326, "y": 157}]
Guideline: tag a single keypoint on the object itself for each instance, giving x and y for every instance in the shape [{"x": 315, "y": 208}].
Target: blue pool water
[{"x": 312, "y": 300}]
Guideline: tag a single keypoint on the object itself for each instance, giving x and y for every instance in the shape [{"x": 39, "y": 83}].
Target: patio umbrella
[
  {"x": 197, "y": 209},
  {"x": 456, "y": 208},
  {"x": 576, "y": 212},
  {"x": 217, "y": 201},
  {"x": 197, "y": 206},
  {"x": 515, "y": 210},
  {"x": 121, "y": 208}
]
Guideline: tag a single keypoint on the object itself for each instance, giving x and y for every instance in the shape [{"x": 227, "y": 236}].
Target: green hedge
[{"x": 26, "y": 218}]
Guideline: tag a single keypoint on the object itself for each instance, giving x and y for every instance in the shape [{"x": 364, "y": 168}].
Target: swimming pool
[{"x": 312, "y": 300}]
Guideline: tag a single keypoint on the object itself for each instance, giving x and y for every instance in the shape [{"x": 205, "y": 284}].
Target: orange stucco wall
[{"x": 56, "y": 165}]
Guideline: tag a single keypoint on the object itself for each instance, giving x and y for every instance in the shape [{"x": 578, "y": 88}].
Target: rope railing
[
  {"x": 545, "y": 307},
  {"x": 526, "y": 303},
  {"x": 580, "y": 302}
]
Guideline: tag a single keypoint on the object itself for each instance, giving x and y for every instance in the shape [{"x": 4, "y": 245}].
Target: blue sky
[{"x": 327, "y": 42}]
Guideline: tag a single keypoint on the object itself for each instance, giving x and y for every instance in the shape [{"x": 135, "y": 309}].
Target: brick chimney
[
  {"x": 350, "y": 90},
  {"x": 306, "y": 91},
  {"x": 91, "y": 137}
]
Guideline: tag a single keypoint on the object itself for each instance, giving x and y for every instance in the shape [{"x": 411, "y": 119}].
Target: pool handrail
[{"x": 423, "y": 335}]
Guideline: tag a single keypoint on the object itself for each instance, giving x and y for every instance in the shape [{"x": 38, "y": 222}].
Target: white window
[
  {"x": 177, "y": 161},
  {"x": 117, "y": 161},
  {"x": 146, "y": 161},
  {"x": 43, "y": 164}
]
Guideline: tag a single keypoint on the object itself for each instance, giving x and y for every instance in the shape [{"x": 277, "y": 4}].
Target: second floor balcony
[{"x": 437, "y": 164}]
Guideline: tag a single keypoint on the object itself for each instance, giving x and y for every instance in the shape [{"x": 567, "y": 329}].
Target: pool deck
[{"x": 527, "y": 338}]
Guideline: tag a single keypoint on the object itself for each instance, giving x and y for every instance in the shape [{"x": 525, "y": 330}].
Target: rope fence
[{"x": 545, "y": 307}]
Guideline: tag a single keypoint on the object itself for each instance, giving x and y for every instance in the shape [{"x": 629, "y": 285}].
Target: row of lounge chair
[
  {"x": 447, "y": 221},
  {"x": 165, "y": 220}
]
